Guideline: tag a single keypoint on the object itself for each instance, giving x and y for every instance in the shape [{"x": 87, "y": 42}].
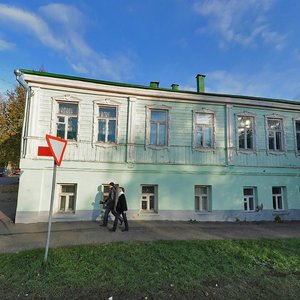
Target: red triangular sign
[{"x": 57, "y": 147}]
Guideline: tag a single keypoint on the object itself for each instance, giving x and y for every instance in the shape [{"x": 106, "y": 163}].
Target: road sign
[
  {"x": 44, "y": 151},
  {"x": 57, "y": 147}
]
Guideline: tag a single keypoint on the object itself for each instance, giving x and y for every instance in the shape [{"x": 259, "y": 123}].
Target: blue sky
[{"x": 249, "y": 47}]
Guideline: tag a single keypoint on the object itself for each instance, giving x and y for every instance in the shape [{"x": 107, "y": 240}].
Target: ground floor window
[
  {"x": 202, "y": 198},
  {"x": 149, "y": 198},
  {"x": 249, "y": 198},
  {"x": 67, "y": 197},
  {"x": 278, "y": 197}
]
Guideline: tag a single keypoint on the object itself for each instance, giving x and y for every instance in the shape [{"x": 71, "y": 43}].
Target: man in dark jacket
[{"x": 110, "y": 203}]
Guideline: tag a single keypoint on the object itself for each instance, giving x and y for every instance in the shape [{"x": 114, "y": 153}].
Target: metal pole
[{"x": 51, "y": 210}]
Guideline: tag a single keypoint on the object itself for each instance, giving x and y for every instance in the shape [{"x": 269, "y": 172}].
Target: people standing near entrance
[
  {"x": 110, "y": 203},
  {"x": 122, "y": 207}
]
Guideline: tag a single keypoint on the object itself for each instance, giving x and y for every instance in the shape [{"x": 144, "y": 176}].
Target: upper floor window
[
  {"x": 158, "y": 127},
  {"x": 275, "y": 134},
  {"x": 245, "y": 132},
  {"x": 67, "y": 120},
  {"x": 107, "y": 124},
  {"x": 297, "y": 129},
  {"x": 203, "y": 130}
]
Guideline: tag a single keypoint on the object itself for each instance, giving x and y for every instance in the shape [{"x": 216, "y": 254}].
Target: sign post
[{"x": 56, "y": 149}]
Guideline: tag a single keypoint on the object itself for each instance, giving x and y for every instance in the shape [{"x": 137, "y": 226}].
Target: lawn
[{"x": 262, "y": 269}]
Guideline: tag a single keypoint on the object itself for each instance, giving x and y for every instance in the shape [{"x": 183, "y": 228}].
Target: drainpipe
[
  {"x": 29, "y": 93},
  {"x": 200, "y": 83}
]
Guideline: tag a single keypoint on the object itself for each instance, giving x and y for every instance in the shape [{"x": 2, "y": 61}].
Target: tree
[{"x": 11, "y": 122}]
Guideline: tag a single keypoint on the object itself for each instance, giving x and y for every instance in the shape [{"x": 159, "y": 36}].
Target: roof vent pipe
[
  {"x": 200, "y": 83},
  {"x": 175, "y": 87},
  {"x": 154, "y": 84}
]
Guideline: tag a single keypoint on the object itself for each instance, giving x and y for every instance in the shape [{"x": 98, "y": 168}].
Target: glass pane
[
  {"x": 298, "y": 125},
  {"x": 207, "y": 137},
  {"x": 71, "y": 202},
  {"x": 61, "y": 119},
  {"x": 68, "y": 189},
  {"x": 162, "y": 135},
  {"x": 204, "y": 203},
  {"x": 251, "y": 203},
  {"x": 72, "y": 128},
  {"x": 68, "y": 109},
  {"x": 148, "y": 189},
  {"x": 199, "y": 137},
  {"x": 203, "y": 190},
  {"x": 241, "y": 138},
  {"x": 278, "y": 141},
  {"x": 144, "y": 204},
  {"x": 279, "y": 199},
  {"x": 62, "y": 203},
  {"x": 152, "y": 202},
  {"x": 101, "y": 130},
  {"x": 274, "y": 202},
  {"x": 276, "y": 190},
  {"x": 245, "y": 206},
  {"x": 60, "y": 131},
  {"x": 197, "y": 198},
  {"x": 205, "y": 119},
  {"x": 271, "y": 142},
  {"x": 153, "y": 134},
  {"x": 298, "y": 141},
  {"x": 274, "y": 124},
  {"x": 248, "y": 192},
  {"x": 249, "y": 139},
  {"x": 111, "y": 131},
  {"x": 106, "y": 189},
  {"x": 159, "y": 116},
  {"x": 107, "y": 112}
]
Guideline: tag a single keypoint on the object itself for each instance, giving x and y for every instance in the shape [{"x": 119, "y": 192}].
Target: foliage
[
  {"x": 11, "y": 122},
  {"x": 264, "y": 269}
]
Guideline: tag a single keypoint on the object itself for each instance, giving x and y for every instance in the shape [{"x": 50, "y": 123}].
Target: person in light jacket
[{"x": 122, "y": 207}]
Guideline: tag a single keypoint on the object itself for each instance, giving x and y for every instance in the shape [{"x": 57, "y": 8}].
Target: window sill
[
  {"x": 105, "y": 145},
  {"x": 153, "y": 147},
  {"x": 280, "y": 212},
  {"x": 198, "y": 212},
  {"x": 204, "y": 149},
  {"x": 276, "y": 152}
]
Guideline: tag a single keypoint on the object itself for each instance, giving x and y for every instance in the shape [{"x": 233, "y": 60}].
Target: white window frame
[
  {"x": 145, "y": 197},
  {"x": 276, "y": 197},
  {"x": 55, "y": 112},
  {"x": 195, "y": 125},
  {"x": 149, "y": 109},
  {"x": 281, "y": 119},
  {"x": 295, "y": 136},
  {"x": 253, "y": 117},
  {"x": 247, "y": 198},
  {"x": 199, "y": 203},
  {"x": 67, "y": 195},
  {"x": 106, "y": 124}
]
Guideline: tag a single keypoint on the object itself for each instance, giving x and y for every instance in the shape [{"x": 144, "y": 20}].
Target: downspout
[{"x": 18, "y": 75}]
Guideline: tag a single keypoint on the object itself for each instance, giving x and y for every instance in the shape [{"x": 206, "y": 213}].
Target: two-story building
[{"x": 180, "y": 155}]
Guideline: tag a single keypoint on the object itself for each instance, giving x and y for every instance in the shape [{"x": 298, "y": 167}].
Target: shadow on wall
[{"x": 97, "y": 213}]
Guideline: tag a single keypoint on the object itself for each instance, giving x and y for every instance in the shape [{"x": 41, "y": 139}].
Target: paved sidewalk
[{"x": 18, "y": 237}]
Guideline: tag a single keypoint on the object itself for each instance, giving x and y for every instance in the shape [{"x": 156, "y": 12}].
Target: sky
[{"x": 249, "y": 47}]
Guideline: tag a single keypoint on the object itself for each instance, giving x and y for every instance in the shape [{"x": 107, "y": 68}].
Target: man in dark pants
[{"x": 110, "y": 203}]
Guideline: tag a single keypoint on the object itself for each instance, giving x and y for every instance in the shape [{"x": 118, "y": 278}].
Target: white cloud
[
  {"x": 241, "y": 22},
  {"x": 4, "y": 45},
  {"x": 60, "y": 27}
]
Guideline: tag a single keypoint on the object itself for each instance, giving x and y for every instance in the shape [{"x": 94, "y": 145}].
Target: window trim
[
  {"x": 283, "y": 139},
  {"x": 295, "y": 135},
  {"x": 105, "y": 103},
  {"x": 209, "y": 199},
  {"x": 213, "y": 137},
  {"x": 242, "y": 150},
  {"x": 148, "y": 126},
  {"x": 155, "y": 210},
  {"x": 55, "y": 110},
  {"x": 60, "y": 193}
]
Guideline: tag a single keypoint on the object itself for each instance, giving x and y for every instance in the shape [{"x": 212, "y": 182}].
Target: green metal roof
[{"x": 46, "y": 74}]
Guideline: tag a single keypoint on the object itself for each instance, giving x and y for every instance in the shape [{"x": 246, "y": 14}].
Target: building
[{"x": 180, "y": 155}]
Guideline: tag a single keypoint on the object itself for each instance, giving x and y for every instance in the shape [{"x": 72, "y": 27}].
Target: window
[
  {"x": 245, "y": 133},
  {"x": 297, "y": 129},
  {"x": 277, "y": 194},
  {"x": 67, "y": 198},
  {"x": 107, "y": 124},
  {"x": 275, "y": 135},
  {"x": 158, "y": 127},
  {"x": 203, "y": 130},
  {"x": 149, "y": 198},
  {"x": 249, "y": 198},
  {"x": 67, "y": 121},
  {"x": 202, "y": 198}
]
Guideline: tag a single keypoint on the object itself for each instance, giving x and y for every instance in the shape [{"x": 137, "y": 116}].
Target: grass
[{"x": 264, "y": 269}]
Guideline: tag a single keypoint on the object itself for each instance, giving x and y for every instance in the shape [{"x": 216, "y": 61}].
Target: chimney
[
  {"x": 175, "y": 87},
  {"x": 154, "y": 84},
  {"x": 200, "y": 83}
]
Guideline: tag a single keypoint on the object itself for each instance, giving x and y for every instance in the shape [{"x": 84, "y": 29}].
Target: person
[
  {"x": 122, "y": 207},
  {"x": 110, "y": 203}
]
